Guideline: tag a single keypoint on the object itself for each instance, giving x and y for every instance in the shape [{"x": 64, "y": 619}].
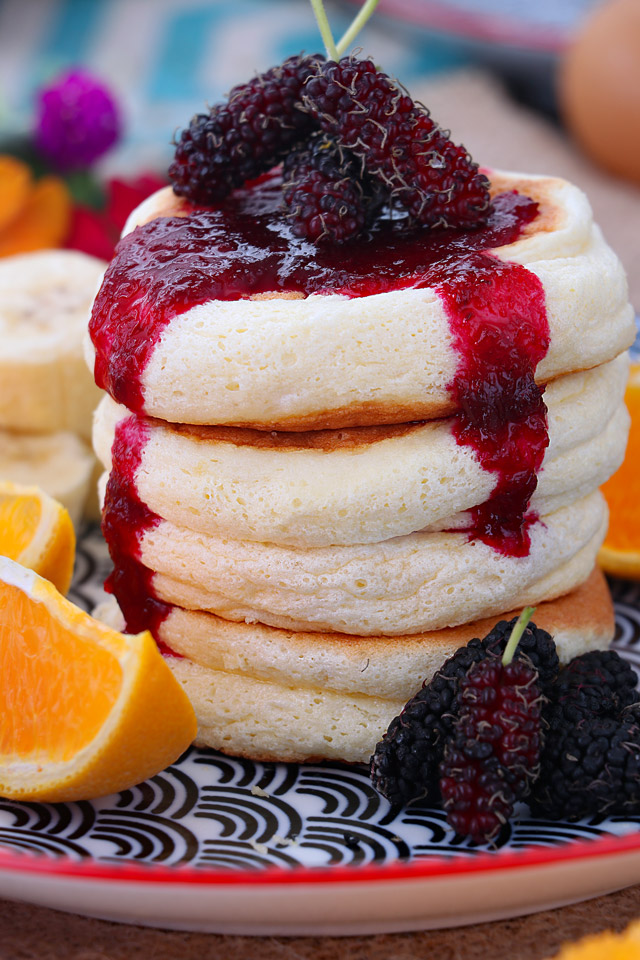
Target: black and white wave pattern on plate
[{"x": 217, "y": 812}]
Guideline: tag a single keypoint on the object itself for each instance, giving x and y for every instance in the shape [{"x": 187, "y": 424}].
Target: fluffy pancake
[
  {"x": 363, "y": 485},
  {"x": 274, "y": 695},
  {"x": 271, "y": 694},
  {"x": 331, "y": 361},
  {"x": 424, "y": 581}
]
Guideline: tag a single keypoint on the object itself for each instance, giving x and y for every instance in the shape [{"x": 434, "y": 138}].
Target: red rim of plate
[
  {"x": 418, "y": 869},
  {"x": 484, "y": 27}
]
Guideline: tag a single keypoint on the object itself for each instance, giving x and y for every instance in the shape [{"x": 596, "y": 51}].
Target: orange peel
[
  {"x": 15, "y": 188},
  {"x": 604, "y": 946},
  {"x": 42, "y": 222},
  {"x": 86, "y": 711},
  {"x": 37, "y": 532}
]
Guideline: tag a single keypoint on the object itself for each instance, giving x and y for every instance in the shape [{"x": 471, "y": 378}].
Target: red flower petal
[
  {"x": 92, "y": 233},
  {"x": 125, "y": 195}
]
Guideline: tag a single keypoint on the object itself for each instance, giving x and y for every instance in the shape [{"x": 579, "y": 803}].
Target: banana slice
[
  {"x": 58, "y": 463},
  {"x": 109, "y": 613},
  {"x": 93, "y": 504},
  {"x": 45, "y": 301}
]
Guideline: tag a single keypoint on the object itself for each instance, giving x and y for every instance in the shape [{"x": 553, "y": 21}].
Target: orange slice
[
  {"x": 85, "y": 710},
  {"x": 36, "y": 531},
  {"x": 620, "y": 553},
  {"x": 43, "y": 221},
  {"x": 15, "y": 187},
  {"x": 605, "y": 946}
]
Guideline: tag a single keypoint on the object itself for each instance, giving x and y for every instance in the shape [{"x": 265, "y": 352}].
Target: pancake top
[
  {"x": 545, "y": 216},
  {"x": 245, "y": 246},
  {"x": 220, "y": 316}
]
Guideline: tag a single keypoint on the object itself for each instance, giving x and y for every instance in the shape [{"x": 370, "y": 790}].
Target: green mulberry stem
[
  {"x": 352, "y": 32},
  {"x": 335, "y": 50},
  {"x": 519, "y": 628},
  {"x": 325, "y": 29}
]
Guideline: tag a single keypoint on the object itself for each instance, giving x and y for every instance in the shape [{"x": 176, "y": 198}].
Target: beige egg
[{"x": 599, "y": 89}]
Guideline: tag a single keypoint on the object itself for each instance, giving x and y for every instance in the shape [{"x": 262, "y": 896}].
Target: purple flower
[{"x": 77, "y": 121}]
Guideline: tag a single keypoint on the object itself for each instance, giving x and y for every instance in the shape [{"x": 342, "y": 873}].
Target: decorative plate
[{"x": 226, "y": 845}]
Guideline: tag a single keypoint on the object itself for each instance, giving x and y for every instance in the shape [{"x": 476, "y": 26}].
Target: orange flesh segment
[
  {"x": 42, "y": 697},
  {"x": 43, "y": 221},
  {"x": 622, "y": 490},
  {"x": 19, "y": 517},
  {"x": 15, "y": 187}
]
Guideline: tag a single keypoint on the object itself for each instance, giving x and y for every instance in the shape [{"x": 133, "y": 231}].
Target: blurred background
[
  {"x": 165, "y": 59},
  {"x": 517, "y": 81}
]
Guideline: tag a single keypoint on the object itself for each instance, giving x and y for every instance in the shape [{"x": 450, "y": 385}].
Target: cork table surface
[{"x": 36, "y": 933}]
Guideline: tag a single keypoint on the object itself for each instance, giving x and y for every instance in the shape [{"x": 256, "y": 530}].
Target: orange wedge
[
  {"x": 605, "y": 946},
  {"x": 15, "y": 187},
  {"x": 85, "y": 710},
  {"x": 36, "y": 531},
  {"x": 42, "y": 222},
  {"x": 620, "y": 553}
]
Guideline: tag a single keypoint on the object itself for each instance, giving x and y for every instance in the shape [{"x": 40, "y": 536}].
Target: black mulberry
[
  {"x": 422, "y": 169},
  {"x": 591, "y": 768},
  {"x": 405, "y": 764},
  {"x": 243, "y": 138},
  {"x": 599, "y": 683},
  {"x": 326, "y": 193}
]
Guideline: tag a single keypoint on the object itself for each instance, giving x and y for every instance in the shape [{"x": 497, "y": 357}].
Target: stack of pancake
[{"x": 307, "y": 496}]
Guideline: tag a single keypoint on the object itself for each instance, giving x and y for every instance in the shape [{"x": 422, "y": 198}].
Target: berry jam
[
  {"x": 246, "y": 247},
  {"x": 496, "y": 314},
  {"x": 124, "y": 520}
]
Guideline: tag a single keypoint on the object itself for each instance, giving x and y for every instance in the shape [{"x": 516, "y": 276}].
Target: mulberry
[
  {"x": 243, "y": 138},
  {"x": 493, "y": 757},
  {"x": 423, "y": 170},
  {"x": 325, "y": 194},
  {"x": 405, "y": 765},
  {"x": 599, "y": 683},
  {"x": 591, "y": 768}
]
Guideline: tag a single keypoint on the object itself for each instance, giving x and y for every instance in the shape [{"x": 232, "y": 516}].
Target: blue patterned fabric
[{"x": 167, "y": 59}]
